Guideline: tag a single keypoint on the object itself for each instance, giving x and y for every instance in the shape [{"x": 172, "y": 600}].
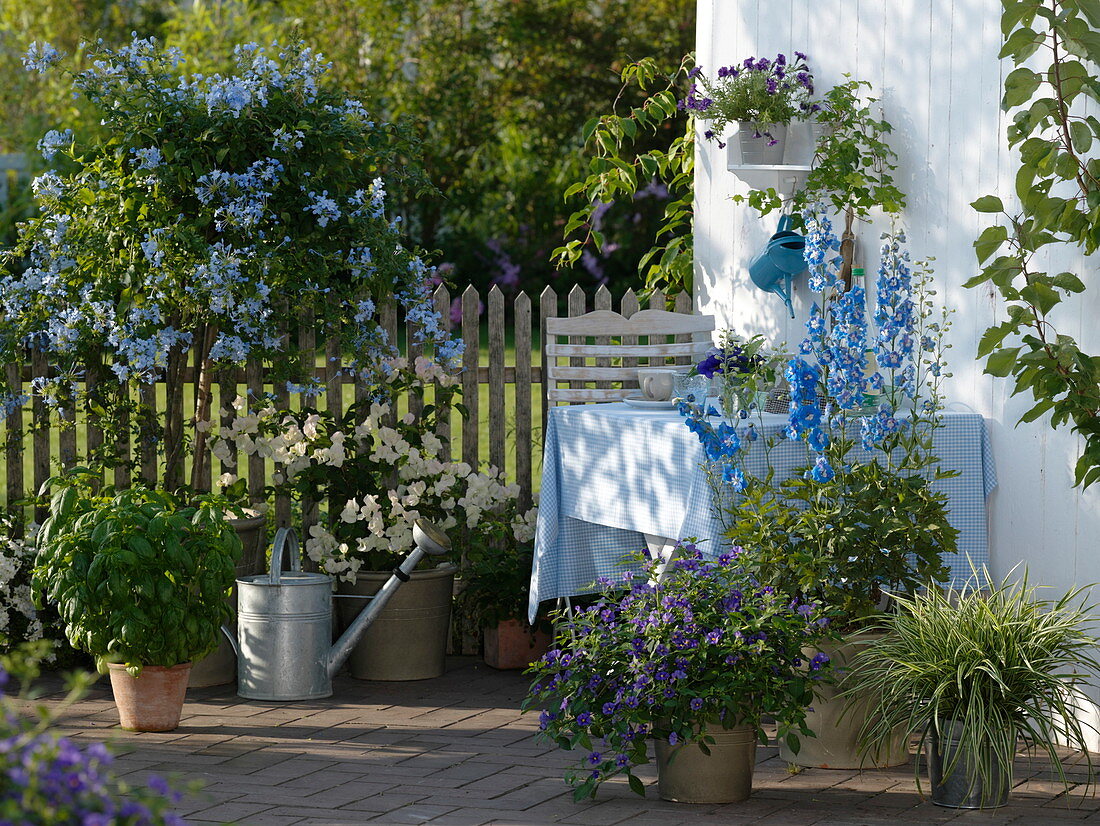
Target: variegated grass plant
[{"x": 1001, "y": 662}]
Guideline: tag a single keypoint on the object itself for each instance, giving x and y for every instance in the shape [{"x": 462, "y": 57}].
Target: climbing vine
[
  {"x": 1054, "y": 47},
  {"x": 619, "y": 169}
]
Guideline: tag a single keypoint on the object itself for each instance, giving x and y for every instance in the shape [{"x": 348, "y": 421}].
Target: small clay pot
[
  {"x": 153, "y": 700},
  {"x": 511, "y": 645}
]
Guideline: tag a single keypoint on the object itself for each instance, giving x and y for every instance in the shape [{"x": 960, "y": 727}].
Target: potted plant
[
  {"x": 377, "y": 474},
  {"x": 860, "y": 520},
  {"x": 972, "y": 670},
  {"x": 493, "y": 589},
  {"x": 762, "y": 96},
  {"x": 693, "y": 655},
  {"x": 140, "y": 580}
]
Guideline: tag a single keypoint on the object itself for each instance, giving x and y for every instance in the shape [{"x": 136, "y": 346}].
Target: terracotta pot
[
  {"x": 837, "y": 721},
  {"x": 408, "y": 639},
  {"x": 219, "y": 667},
  {"x": 510, "y": 645},
  {"x": 153, "y": 700},
  {"x": 685, "y": 774}
]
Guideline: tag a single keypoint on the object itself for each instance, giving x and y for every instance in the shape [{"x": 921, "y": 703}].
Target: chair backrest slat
[{"x": 610, "y": 341}]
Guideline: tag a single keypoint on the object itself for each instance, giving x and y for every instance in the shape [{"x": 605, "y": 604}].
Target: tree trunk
[{"x": 203, "y": 395}]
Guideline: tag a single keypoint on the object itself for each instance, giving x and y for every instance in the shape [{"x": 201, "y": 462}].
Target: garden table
[{"x": 613, "y": 474}]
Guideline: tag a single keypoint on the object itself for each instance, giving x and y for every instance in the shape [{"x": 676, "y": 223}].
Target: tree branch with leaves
[
  {"x": 1055, "y": 48},
  {"x": 618, "y": 170}
]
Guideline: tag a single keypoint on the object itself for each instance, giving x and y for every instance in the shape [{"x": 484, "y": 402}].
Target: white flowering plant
[
  {"x": 19, "y": 621},
  {"x": 377, "y": 473},
  {"x": 206, "y": 211}
]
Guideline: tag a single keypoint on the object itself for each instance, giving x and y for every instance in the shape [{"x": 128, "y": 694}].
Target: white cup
[{"x": 657, "y": 382}]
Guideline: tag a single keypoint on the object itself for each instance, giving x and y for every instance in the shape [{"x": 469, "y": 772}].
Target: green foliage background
[{"x": 499, "y": 90}]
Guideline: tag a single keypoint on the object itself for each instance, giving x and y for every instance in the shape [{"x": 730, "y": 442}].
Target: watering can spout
[
  {"x": 783, "y": 290},
  {"x": 430, "y": 540}
]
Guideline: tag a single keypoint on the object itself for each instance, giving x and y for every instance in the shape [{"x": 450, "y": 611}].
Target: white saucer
[{"x": 642, "y": 403}]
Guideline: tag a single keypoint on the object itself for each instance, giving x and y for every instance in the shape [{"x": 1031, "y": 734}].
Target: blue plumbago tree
[
  {"x": 206, "y": 210},
  {"x": 860, "y": 519}
]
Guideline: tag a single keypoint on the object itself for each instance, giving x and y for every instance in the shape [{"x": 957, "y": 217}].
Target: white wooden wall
[{"x": 935, "y": 66}]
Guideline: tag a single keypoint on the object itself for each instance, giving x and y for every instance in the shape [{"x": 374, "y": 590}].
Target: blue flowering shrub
[
  {"x": 207, "y": 210},
  {"x": 860, "y": 519},
  {"x": 701, "y": 647},
  {"x": 49, "y": 779}
]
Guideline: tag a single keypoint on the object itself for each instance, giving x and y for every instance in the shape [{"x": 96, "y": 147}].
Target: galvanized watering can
[
  {"x": 284, "y": 621},
  {"x": 781, "y": 260}
]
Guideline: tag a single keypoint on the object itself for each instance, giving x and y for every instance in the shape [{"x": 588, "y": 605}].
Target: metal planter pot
[
  {"x": 837, "y": 722},
  {"x": 975, "y": 781},
  {"x": 408, "y": 640},
  {"x": 756, "y": 150},
  {"x": 685, "y": 774},
  {"x": 219, "y": 667}
]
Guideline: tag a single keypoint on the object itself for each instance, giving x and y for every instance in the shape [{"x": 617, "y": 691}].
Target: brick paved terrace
[{"x": 456, "y": 750}]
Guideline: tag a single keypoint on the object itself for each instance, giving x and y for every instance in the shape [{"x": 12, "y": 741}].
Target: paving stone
[
  {"x": 416, "y": 813},
  {"x": 232, "y": 812}
]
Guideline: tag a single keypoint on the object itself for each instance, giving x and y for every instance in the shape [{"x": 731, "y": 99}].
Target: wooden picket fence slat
[{"x": 496, "y": 433}]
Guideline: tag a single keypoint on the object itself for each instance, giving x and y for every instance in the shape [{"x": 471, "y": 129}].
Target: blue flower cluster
[
  {"x": 240, "y": 199},
  {"x": 896, "y": 316},
  {"x": 40, "y": 56},
  {"x": 53, "y": 142},
  {"x": 45, "y": 778}
]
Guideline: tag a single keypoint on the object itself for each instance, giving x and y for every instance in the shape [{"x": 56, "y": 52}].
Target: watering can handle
[
  {"x": 283, "y": 536},
  {"x": 785, "y": 222}
]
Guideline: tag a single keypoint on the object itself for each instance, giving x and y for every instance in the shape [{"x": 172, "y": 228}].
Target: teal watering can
[{"x": 779, "y": 262}]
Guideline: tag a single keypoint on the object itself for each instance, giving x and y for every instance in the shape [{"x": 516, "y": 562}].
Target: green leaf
[
  {"x": 992, "y": 338},
  {"x": 1080, "y": 136},
  {"x": 1001, "y": 362},
  {"x": 1020, "y": 85},
  {"x": 636, "y": 785},
  {"x": 793, "y": 743},
  {"x": 1069, "y": 282},
  {"x": 989, "y": 241},
  {"x": 988, "y": 203},
  {"x": 1037, "y": 411},
  {"x": 1091, "y": 10},
  {"x": 1021, "y": 44}
]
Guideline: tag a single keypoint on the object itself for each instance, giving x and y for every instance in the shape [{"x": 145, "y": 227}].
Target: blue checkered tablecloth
[{"x": 612, "y": 473}]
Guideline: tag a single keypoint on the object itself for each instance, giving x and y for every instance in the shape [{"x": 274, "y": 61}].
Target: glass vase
[{"x": 735, "y": 395}]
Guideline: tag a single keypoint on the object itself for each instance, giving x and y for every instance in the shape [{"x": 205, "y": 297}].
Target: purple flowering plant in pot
[
  {"x": 679, "y": 653},
  {"x": 206, "y": 214},
  {"x": 760, "y": 94}
]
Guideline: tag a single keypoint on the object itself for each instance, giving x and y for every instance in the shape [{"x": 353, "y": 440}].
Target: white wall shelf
[{"x": 785, "y": 178}]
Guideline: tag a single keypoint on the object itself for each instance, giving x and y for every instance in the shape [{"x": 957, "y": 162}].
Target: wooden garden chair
[{"x": 611, "y": 342}]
